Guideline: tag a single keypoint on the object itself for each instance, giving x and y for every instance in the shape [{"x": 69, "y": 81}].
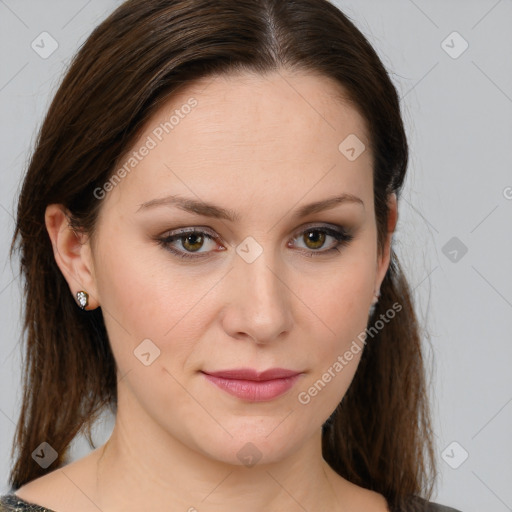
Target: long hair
[{"x": 379, "y": 436}]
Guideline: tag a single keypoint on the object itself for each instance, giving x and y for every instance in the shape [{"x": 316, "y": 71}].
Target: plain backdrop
[{"x": 451, "y": 62}]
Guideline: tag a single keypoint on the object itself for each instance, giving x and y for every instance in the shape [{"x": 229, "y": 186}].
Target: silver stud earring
[{"x": 82, "y": 299}]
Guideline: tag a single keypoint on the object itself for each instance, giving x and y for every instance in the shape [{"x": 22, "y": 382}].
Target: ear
[
  {"x": 385, "y": 255},
  {"x": 72, "y": 253}
]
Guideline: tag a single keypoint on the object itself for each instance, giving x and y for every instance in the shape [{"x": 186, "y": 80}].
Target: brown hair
[{"x": 379, "y": 436}]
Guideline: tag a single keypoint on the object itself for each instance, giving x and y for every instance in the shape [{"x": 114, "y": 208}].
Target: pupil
[
  {"x": 316, "y": 237},
  {"x": 189, "y": 240}
]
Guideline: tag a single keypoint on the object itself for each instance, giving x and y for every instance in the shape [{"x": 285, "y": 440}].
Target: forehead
[
  {"x": 249, "y": 131},
  {"x": 236, "y": 105}
]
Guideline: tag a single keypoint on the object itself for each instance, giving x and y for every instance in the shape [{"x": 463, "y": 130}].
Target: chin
[{"x": 265, "y": 441}]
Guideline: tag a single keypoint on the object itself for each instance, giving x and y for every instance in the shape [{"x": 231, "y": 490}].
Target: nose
[{"x": 259, "y": 301}]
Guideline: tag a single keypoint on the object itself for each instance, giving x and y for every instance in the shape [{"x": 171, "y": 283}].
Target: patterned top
[{"x": 12, "y": 503}]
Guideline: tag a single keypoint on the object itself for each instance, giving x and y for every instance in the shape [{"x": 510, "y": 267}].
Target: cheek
[
  {"x": 142, "y": 298},
  {"x": 154, "y": 318},
  {"x": 341, "y": 298},
  {"x": 335, "y": 358},
  {"x": 144, "y": 291},
  {"x": 340, "y": 303}
]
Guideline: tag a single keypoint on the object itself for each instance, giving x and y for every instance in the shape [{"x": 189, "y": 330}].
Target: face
[{"x": 241, "y": 241}]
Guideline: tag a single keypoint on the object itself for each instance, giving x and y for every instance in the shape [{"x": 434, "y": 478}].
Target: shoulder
[
  {"x": 12, "y": 503},
  {"x": 55, "y": 490},
  {"x": 416, "y": 504},
  {"x": 435, "y": 507}
]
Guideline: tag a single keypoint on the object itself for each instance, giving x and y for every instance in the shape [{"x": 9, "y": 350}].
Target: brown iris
[
  {"x": 193, "y": 242},
  {"x": 314, "y": 237}
]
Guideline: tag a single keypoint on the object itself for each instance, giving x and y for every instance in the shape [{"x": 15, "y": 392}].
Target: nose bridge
[{"x": 262, "y": 306}]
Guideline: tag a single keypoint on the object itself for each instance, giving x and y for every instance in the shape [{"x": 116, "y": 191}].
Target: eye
[
  {"x": 315, "y": 238},
  {"x": 189, "y": 243}
]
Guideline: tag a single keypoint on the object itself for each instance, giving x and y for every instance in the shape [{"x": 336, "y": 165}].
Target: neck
[{"x": 142, "y": 467}]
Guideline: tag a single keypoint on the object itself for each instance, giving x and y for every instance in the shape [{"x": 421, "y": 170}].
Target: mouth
[{"x": 253, "y": 386}]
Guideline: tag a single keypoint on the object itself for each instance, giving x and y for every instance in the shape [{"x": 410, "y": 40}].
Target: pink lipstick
[{"x": 253, "y": 386}]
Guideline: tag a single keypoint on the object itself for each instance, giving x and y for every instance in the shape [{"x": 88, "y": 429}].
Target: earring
[
  {"x": 373, "y": 306},
  {"x": 82, "y": 299}
]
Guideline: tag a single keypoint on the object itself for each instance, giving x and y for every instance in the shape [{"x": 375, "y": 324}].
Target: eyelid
[
  {"x": 214, "y": 236},
  {"x": 191, "y": 229},
  {"x": 341, "y": 234},
  {"x": 320, "y": 226},
  {"x": 165, "y": 241}
]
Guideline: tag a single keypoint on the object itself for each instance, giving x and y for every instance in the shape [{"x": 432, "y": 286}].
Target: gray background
[{"x": 458, "y": 110}]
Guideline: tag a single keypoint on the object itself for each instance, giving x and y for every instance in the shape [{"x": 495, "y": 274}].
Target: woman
[{"x": 205, "y": 231}]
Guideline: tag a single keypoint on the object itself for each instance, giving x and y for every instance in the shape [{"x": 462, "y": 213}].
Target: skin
[{"x": 260, "y": 146}]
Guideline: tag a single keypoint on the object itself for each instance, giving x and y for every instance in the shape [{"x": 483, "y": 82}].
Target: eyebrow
[{"x": 212, "y": 210}]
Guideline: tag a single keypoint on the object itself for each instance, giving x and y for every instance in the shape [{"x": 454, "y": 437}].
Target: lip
[{"x": 254, "y": 386}]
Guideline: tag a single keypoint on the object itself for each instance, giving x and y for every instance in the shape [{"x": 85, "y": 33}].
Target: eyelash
[{"x": 339, "y": 234}]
